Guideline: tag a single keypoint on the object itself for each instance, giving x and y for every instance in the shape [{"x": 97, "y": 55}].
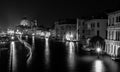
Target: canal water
[{"x": 54, "y": 56}]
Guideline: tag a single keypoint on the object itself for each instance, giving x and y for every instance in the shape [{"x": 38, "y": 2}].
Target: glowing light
[
  {"x": 18, "y": 32},
  {"x": 38, "y": 32},
  {"x": 98, "y": 66},
  {"x": 11, "y": 32},
  {"x": 47, "y": 34},
  {"x": 33, "y": 33},
  {"x": 69, "y": 36},
  {"x": 12, "y": 37},
  {"x": 42, "y": 34},
  {"x": 98, "y": 50}
]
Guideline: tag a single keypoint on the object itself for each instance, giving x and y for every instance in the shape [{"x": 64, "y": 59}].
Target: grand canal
[{"x": 47, "y": 55}]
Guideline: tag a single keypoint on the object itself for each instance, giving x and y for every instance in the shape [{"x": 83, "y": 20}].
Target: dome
[{"x": 25, "y": 22}]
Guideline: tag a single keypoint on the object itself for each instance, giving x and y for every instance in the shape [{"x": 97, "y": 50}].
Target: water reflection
[
  {"x": 112, "y": 65},
  {"x": 98, "y": 66},
  {"x": 71, "y": 55},
  {"x": 33, "y": 42},
  {"x": 104, "y": 64},
  {"x": 12, "y": 60},
  {"x": 47, "y": 53},
  {"x": 28, "y": 47}
]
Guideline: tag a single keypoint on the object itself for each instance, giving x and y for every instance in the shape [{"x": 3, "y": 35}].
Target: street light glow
[
  {"x": 98, "y": 50},
  {"x": 12, "y": 37}
]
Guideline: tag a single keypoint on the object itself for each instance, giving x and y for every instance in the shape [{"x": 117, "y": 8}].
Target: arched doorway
[{"x": 96, "y": 42}]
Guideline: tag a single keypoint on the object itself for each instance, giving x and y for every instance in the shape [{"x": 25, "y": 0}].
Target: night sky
[{"x": 48, "y": 11}]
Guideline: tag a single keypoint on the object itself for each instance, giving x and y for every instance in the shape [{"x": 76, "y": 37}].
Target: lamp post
[{"x": 98, "y": 50}]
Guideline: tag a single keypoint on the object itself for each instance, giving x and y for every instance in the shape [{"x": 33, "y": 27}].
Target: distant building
[
  {"x": 53, "y": 33},
  {"x": 113, "y": 34},
  {"x": 82, "y": 27},
  {"x": 64, "y": 26},
  {"x": 27, "y": 26},
  {"x": 96, "y": 27}
]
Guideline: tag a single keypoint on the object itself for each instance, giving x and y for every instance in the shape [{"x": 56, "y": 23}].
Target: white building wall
[{"x": 113, "y": 36}]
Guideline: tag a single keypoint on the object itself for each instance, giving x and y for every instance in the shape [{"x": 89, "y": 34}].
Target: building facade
[
  {"x": 65, "y": 26},
  {"x": 82, "y": 30},
  {"x": 96, "y": 27},
  {"x": 113, "y": 34}
]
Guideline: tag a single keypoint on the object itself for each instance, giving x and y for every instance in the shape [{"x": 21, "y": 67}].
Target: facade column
[
  {"x": 113, "y": 50},
  {"x": 108, "y": 34},
  {"x": 111, "y": 34},
  {"x": 114, "y": 34},
  {"x": 110, "y": 49},
  {"x": 106, "y": 46},
  {"x": 118, "y": 35},
  {"x": 116, "y": 51}
]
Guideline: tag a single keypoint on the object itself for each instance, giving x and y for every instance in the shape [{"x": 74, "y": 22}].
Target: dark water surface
[
  {"x": 62, "y": 57},
  {"x": 54, "y": 56}
]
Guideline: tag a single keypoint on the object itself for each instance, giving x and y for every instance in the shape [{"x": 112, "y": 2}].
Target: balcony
[{"x": 114, "y": 42}]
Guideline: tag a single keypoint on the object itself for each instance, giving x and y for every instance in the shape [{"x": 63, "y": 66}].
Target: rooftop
[{"x": 115, "y": 12}]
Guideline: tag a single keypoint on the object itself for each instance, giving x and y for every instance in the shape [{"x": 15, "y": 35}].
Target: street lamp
[{"x": 98, "y": 50}]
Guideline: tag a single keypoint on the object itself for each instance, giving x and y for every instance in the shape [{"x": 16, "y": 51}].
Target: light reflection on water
[
  {"x": 33, "y": 43},
  {"x": 104, "y": 64},
  {"x": 12, "y": 60},
  {"x": 71, "y": 55},
  {"x": 98, "y": 66},
  {"x": 47, "y": 54},
  {"x": 111, "y": 64}
]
